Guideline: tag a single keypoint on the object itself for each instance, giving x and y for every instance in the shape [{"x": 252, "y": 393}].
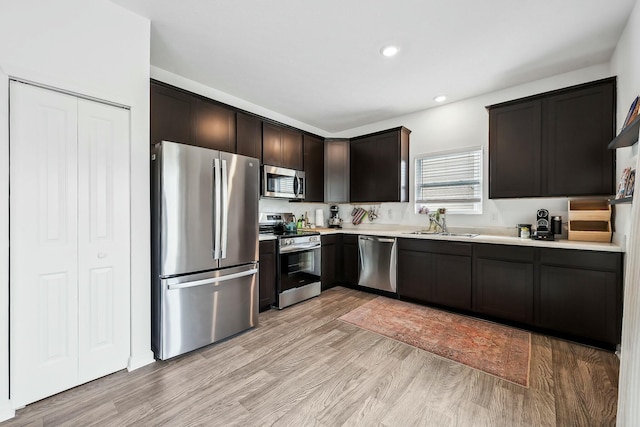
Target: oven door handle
[{"x": 299, "y": 248}]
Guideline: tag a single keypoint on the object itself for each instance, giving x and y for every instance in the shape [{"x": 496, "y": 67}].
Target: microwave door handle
[
  {"x": 225, "y": 211},
  {"x": 295, "y": 185},
  {"x": 216, "y": 208}
]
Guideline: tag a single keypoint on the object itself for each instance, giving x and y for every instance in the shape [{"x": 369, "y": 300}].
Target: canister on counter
[{"x": 524, "y": 231}]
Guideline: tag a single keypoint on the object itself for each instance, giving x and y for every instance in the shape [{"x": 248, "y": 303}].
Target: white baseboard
[
  {"x": 6, "y": 411},
  {"x": 140, "y": 361}
]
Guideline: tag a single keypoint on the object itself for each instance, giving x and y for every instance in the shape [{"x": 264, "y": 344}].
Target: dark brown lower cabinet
[
  {"x": 435, "y": 272},
  {"x": 580, "y": 294},
  {"x": 576, "y": 294},
  {"x": 329, "y": 260},
  {"x": 413, "y": 270},
  {"x": 267, "y": 276},
  {"x": 503, "y": 282},
  {"x": 452, "y": 281},
  {"x": 349, "y": 273}
]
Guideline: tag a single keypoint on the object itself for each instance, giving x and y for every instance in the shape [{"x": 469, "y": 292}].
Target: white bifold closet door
[{"x": 69, "y": 241}]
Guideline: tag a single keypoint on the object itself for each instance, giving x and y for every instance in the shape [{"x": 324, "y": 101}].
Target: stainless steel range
[{"x": 299, "y": 259}]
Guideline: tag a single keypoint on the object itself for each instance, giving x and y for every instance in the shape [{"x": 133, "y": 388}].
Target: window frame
[{"x": 477, "y": 180}]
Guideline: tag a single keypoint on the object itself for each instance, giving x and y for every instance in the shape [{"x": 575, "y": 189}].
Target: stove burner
[{"x": 274, "y": 224}]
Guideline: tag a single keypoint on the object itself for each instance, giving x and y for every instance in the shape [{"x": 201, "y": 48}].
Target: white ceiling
[{"x": 318, "y": 61}]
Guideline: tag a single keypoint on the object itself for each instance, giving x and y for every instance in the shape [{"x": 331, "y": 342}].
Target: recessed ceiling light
[
  {"x": 389, "y": 51},
  {"x": 440, "y": 98}
]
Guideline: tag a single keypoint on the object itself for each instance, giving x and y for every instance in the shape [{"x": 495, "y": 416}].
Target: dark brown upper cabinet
[
  {"x": 248, "y": 135},
  {"x": 171, "y": 117},
  {"x": 271, "y": 144},
  {"x": 281, "y": 146},
  {"x": 314, "y": 168},
  {"x": 379, "y": 167},
  {"x": 514, "y": 150},
  {"x": 292, "y": 152},
  {"x": 180, "y": 116},
  {"x": 554, "y": 144},
  {"x": 579, "y": 126},
  {"x": 214, "y": 126},
  {"x": 336, "y": 171}
]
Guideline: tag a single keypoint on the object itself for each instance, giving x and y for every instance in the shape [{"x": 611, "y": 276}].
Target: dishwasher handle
[{"x": 378, "y": 239}]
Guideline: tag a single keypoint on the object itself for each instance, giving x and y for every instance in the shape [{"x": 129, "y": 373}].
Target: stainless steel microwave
[{"x": 282, "y": 183}]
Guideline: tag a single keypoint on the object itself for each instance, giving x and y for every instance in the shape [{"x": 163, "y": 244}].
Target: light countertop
[{"x": 481, "y": 238}]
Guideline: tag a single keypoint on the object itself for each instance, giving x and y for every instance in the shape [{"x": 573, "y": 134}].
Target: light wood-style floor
[{"x": 303, "y": 367}]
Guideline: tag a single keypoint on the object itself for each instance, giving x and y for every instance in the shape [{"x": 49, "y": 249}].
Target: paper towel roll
[{"x": 319, "y": 218}]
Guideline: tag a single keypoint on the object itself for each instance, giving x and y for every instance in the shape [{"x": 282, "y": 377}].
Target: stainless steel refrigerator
[{"x": 204, "y": 246}]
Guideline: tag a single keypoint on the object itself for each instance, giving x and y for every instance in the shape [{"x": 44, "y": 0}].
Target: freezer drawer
[{"x": 200, "y": 309}]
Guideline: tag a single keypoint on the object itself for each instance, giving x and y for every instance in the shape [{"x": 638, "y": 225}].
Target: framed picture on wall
[{"x": 631, "y": 182}]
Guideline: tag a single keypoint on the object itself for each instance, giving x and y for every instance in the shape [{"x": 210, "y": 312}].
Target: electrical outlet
[
  {"x": 390, "y": 213},
  {"x": 494, "y": 216}
]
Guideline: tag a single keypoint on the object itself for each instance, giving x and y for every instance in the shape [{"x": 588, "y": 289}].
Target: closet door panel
[
  {"x": 103, "y": 239},
  {"x": 43, "y": 235}
]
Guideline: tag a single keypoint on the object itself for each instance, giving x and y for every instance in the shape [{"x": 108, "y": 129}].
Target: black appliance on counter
[
  {"x": 298, "y": 262},
  {"x": 334, "y": 220},
  {"x": 543, "y": 226}
]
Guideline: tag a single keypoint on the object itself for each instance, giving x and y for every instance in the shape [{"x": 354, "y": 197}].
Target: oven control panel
[{"x": 290, "y": 244}]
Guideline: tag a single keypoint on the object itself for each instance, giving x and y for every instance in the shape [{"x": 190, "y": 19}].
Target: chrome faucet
[
  {"x": 441, "y": 224},
  {"x": 439, "y": 218}
]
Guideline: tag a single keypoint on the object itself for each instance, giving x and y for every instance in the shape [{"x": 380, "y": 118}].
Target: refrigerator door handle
[
  {"x": 216, "y": 212},
  {"x": 225, "y": 211},
  {"x": 203, "y": 282}
]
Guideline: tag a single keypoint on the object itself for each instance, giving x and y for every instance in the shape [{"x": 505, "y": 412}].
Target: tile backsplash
[{"x": 497, "y": 214}]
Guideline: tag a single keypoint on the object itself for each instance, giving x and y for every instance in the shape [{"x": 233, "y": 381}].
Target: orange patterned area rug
[{"x": 495, "y": 349}]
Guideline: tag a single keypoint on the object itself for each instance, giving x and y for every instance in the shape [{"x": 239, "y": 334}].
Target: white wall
[
  {"x": 460, "y": 124},
  {"x": 466, "y": 124},
  {"x": 97, "y": 49},
  {"x": 456, "y": 125},
  {"x": 218, "y": 95},
  {"x": 626, "y": 64}
]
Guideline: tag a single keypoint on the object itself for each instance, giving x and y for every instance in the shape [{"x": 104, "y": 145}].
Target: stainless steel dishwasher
[{"x": 377, "y": 262}]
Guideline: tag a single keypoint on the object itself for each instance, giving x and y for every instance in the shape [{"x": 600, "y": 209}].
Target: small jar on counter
[{"x": 524, "y": 231}]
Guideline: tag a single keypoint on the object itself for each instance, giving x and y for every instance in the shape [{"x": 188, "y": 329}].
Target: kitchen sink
[
  {"x": 458, "y": 234},
  {"x": 443, "y": 233}
]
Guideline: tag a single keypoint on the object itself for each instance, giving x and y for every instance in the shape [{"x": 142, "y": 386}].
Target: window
[{"x": 451, "y": 180}]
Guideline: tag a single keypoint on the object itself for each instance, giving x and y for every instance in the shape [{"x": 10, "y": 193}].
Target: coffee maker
[
  {"x": 543, "y": 226},
  {"x": 334, "y": 220}
]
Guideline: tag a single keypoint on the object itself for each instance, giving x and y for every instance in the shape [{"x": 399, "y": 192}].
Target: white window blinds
[{"x": 451, "y": 180}]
